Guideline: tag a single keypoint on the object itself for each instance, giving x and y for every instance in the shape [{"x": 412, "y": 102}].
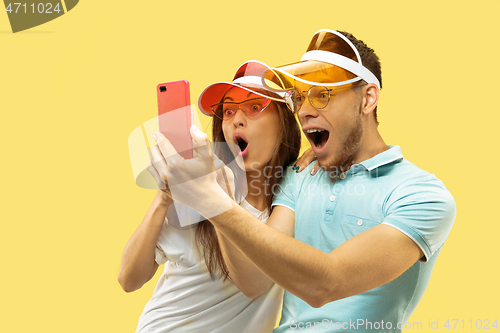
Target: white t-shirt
[{"x": 186, "y": 299}]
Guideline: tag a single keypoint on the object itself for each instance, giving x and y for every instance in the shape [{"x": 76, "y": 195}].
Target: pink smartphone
[{"x": 174, "y": 114}]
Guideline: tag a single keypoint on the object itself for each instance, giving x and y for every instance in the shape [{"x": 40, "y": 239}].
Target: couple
[{"x": 353, "y": 246}]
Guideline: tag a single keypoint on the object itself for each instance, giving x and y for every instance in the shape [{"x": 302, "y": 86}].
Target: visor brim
[{"x": 309, "y": 72}]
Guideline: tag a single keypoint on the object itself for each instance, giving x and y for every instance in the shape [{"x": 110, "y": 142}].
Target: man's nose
[{"x": 307, "y": 110}]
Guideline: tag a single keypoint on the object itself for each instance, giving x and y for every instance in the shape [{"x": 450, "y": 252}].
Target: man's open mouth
[{"x": 318, "y": 136}]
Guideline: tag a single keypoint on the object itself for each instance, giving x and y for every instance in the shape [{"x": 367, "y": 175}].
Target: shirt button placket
[{"x": 330, "y": 209}]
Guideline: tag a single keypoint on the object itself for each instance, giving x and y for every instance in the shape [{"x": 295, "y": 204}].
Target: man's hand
[
  {"x": 157, "y": 166},
  {"x": 225, "y": 179},
  {"x": 191, "y": 182}
]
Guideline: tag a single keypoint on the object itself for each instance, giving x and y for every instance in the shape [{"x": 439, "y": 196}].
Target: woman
[{"x": 195, "y": 294}]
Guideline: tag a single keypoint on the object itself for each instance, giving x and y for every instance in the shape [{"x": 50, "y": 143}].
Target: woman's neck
[{"x": 256, "y": 189}]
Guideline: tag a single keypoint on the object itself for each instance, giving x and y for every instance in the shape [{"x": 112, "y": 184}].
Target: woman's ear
[{"x": 370, "y": 98}]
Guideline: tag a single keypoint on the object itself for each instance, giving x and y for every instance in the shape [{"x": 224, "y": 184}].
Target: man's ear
[{"x": 370, "y": 98}]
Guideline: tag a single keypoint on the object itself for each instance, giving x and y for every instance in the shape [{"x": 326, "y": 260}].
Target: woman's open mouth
[
  {"x": 318, "y": 137},
  {"x": 242, "y": 144}
]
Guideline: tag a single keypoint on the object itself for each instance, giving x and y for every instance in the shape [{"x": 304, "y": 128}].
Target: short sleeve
[
  {"x": 176, "y": 243},
  {"x": 284, "y": 195},
  {"x": 424, "y": 211},
  {"x": 160, "y": 256}
]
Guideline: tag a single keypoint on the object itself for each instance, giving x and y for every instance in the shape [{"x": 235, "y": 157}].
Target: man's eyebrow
[
  {"x": 250, "y": 93},
  {"x": 227, "y": 98}
]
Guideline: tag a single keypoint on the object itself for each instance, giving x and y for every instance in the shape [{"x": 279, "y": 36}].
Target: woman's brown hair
[{"x": 285, "y": 152}]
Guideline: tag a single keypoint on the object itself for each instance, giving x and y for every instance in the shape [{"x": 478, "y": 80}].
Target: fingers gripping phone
[{"x": 174, "y": 115}]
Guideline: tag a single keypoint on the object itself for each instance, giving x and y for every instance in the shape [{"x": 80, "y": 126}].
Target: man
[{"x": 368, "y": 227}]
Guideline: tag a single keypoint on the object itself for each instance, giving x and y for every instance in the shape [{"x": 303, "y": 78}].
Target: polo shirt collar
[{"x": 393, "y": 154}]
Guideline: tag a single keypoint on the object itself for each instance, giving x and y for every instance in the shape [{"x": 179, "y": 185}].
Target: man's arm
[
  {"x": 244, "y": 273},
  {"x": 366, "y": 261}
]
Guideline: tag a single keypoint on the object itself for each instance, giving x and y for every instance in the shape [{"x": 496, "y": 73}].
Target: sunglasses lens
[
  {"x": 319, "y": 97},
  {"x": 251, "y": 107},
  {"x": 255, "y": 106},
  {"x": 229, "y": 110}
]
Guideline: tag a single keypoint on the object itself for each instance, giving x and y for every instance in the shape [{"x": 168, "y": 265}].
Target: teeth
[{"x": 314, "y": 130}]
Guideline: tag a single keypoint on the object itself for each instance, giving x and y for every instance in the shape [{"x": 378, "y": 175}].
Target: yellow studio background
[{"x": 73, "y": 89}]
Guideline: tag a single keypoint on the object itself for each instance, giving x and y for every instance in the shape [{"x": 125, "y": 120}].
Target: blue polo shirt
[{"x": 385, "y": 189}]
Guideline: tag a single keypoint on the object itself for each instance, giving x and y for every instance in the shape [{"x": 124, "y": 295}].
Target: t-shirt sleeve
[
  {"x": 175, "y": 243},
  {"x": 160, "y": 256},
  {"x": 424, "y": 211},
  {"x": 285, "y": 195}
]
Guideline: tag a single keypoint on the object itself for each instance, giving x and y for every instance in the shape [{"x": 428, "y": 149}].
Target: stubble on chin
[{"x": 348, "y": 146}]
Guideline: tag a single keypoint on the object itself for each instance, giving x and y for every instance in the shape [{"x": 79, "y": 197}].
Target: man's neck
[{"x": 371, "y": 145}]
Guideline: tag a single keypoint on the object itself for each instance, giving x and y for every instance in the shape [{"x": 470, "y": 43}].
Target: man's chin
[{"x": 330, "y": 164}]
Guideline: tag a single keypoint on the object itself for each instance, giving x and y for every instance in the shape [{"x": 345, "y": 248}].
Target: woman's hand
[{"x": 307, "y": 158}]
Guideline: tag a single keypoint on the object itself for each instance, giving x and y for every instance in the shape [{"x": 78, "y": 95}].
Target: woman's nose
[{"x": 239, "y": 118}]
